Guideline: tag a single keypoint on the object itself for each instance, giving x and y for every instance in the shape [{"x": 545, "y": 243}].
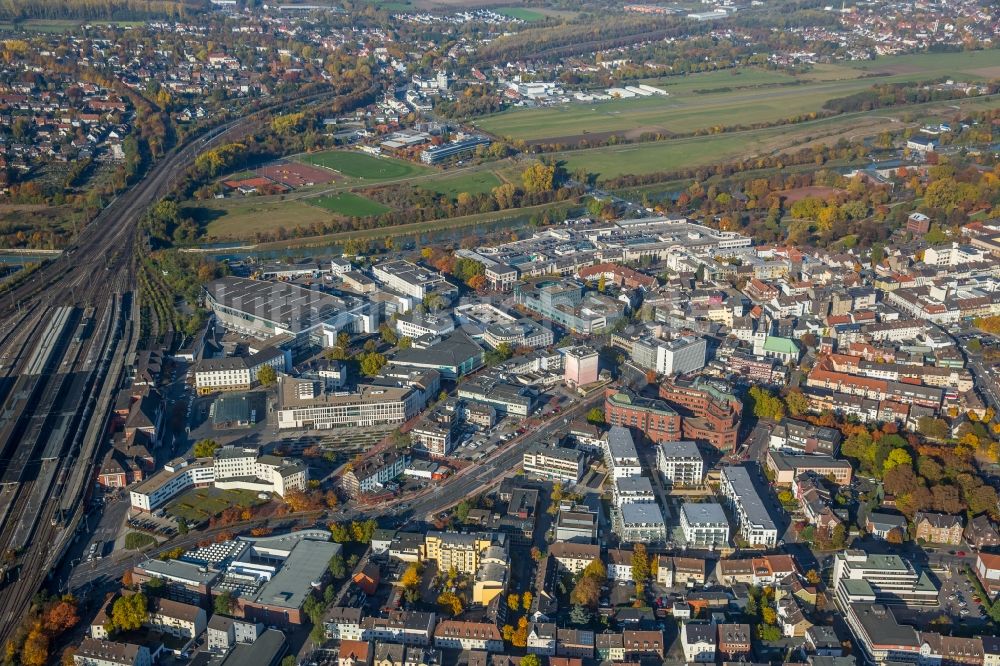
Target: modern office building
[
  {"x": 509, "y": 399},
  {"x": 681, "y": 355},
  {"x": 859, "y": 576},
  {"x": 710, "y": 411},
  {"x": 754, "y": 521},
  {"x": 412, "y": 280},
  {"x": 306, "y": 404},
  {"x": 564, "y": 302}
]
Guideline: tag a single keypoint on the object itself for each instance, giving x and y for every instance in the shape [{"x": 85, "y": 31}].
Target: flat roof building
[{"x": 756, "y": 526}]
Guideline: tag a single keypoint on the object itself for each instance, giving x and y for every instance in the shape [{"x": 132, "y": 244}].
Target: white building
[
  {"x": 553, "y": 463},
  {"x": 412, "y": 280},
  {"x": 681, "y": 355},
  {"x": 96, "y": 652},
  {"x": 864, "y": 577},
  {"x": 640, "y": 522},
  {"x": 756, "y": 526},
  {"x": 239, "y": 468},
  {"x": 413, "y": 324},
  {"x": 680, "y": 463},
  {"x": 235, "y": 468},
  {"x": 236, "y": 373},
  {"x": 620, "y": 453},
  {"x": 698, "y": 641},
  {"x": 632, "y": 490},
  {"x": 704, "y": 524}
]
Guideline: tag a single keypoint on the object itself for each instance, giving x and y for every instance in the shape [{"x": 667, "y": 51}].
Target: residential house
[
  {"x": 610, "y": 647},
  {"x": 980, "y": 533},
  {"x": 734, "y": 641},
  {"x": 938, "y": 528},
  {"x": 354, "y": 653},
  {"x": 97, "y": 652},
  {"x": 542, "y": 638},
  {"x": 574, "y": 557},
  {"x": 344, "y": 623},
  {"x": 456, "y": 634},
  {"x": 177, "y": 619},
  {"x": 641, "y": 645},
  {"x": 575, "y": 643},
  {"x": 880, "y": 524},
  {"x": 699, "y": 642}
]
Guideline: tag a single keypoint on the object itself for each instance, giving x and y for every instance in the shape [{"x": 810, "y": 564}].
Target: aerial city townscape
[{"x": 499, "y": 332}]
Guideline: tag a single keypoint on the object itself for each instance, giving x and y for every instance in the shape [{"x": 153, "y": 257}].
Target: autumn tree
[
  {"x": 587, "y": 592},
  {"x": 451, "y": 603},
  {"x": 129, "y": 612},
  {"x": 538, "y": 177},
  {"x": 205, "y": 448},
  {"x": 410, "y": 579},
  {"x": 35, "y": 651},
  {"x": 60, "y": 616},
  {"x": 640, "y": 568},
  {"x": 267, "y": 376},
  {"x": 520, "y": 636}
]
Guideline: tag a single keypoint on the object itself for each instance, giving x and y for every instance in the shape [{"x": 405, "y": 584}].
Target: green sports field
[
  {"x": 349, "y": 204},
  {"x": 474, "y": 183},
  {"x": 730, "y": 98},
  {"x": 363, "y": 166}
]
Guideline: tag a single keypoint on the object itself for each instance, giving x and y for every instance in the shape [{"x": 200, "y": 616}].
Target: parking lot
[{"x": 958, "y": 599}]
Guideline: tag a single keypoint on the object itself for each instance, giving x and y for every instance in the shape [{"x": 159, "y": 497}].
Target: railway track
[{"x": 76, "y": 387}]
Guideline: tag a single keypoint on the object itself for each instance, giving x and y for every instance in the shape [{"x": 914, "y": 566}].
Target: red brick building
[
  {"x": 655, "y": 418},
  {"x": 708, "y": 411}
]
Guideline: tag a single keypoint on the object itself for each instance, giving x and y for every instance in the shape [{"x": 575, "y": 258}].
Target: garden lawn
[{"x": 199, "y": 504}]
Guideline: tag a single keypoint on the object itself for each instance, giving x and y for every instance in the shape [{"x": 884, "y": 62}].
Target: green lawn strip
[{"x": 418, "y": 227}]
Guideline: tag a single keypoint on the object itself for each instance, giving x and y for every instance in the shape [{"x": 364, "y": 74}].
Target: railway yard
[{"x": 67, "y": 334}]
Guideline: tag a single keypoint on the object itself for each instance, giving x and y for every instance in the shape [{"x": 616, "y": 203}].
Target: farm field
[
  {"x": 364, "y": 167},
  {"x": 640, "y": 158},
  {"x": 686, "y": 110},
  {"x": 475, "y": 182},
  {"x": 522, "y": 13},
  {"x": 349, "y": 204}
]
